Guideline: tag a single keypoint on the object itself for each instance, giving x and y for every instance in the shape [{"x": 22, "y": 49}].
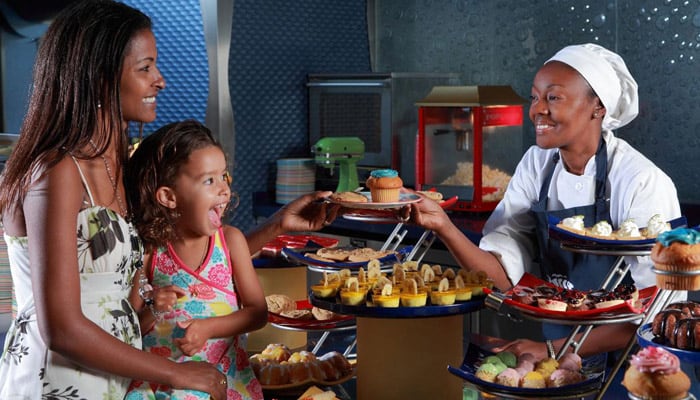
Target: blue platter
[
  {"x": 571, "y": 238},
  {"x": 298, "y": 256},
  {"x": 645, "y": 337},
  {"x": 336, "y": 306},
  {"x": 593, "y": 369}
]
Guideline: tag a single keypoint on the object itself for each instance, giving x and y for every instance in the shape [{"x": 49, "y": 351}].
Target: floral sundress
[
  {"x": 109, "y": 252},
  {"x": 210, "y": 293}
]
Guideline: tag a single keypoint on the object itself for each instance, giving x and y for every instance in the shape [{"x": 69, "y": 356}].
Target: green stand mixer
[{"x": 344, "y": 151}]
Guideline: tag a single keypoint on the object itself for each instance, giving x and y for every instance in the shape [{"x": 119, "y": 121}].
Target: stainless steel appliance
[{"x": 378, "y": 108}]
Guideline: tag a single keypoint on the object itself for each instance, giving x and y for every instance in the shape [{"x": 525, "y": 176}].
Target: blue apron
[{"x": 566, "y": 268}]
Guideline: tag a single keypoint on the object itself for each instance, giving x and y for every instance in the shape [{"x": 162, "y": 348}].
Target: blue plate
[
  {"x": 399, "y": 312},
  {"x": 645, "y": 337},
  {"x": 296, "y": 256},
  {"x": 593, "y": 369},
  {"x": 569, "y": 237}
]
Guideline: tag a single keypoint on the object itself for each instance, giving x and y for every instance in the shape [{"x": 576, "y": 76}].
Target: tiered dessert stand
[
  {"x": 402, "y": 351},
  {"x": 584, "y": 325}
]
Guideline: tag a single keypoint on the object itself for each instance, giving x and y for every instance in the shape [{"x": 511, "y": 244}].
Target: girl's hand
[
  {"x": 196, "y": 336},
  {"x": 164, "y": 298},
  {"x": 307, "y": 213}
]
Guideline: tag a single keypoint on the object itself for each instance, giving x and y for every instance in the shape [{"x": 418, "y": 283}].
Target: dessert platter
[
  {"x": 677, "y": 329},
  {"x": 646, "y": 337},
  {"x": 309, "y": 321},
  {"x": 404, "y": 199},
  {"x": 526, "y": 378},
  {"x": 409, "y": 291},
  {"x": 600, "y": 237},
  {"x": 429, "y": 310},
  {"x": 310, "y": 256},
  {"x": 283, "y": 372},
  {"x": 387, "y": 215},
  {"x": 540, "y": 300}
]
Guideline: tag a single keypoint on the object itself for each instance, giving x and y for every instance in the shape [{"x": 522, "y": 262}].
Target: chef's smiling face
[
  {"x": 141, "y": 80},
  {"x": 562, "y": 107}
]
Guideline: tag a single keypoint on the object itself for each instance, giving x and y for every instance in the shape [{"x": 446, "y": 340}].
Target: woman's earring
[{"x": 595, "y": 115}]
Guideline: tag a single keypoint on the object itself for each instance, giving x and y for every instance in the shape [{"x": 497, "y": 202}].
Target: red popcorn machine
[{"x": 469, "y": 143}]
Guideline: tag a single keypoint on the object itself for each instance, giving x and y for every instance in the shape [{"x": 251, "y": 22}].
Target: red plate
[
  {"x": 309, "y": 324},
  {"x": 646, "y": 295}
]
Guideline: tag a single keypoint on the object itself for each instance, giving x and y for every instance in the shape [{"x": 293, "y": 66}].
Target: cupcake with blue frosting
[{"x": 384, "y": 185}]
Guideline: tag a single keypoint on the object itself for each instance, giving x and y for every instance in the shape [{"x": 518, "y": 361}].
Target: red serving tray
[
  {"x": 309, "y": 324},
  {"x": 275, "y": 246},
  {"x": 646, "y": 296}
]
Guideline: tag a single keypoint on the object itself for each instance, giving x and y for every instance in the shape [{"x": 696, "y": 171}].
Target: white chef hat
[{"x": 609, "y": 77}]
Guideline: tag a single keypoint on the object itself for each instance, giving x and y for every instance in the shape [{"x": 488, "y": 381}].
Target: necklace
[
  {"x": 113, "y": 182},
  {"x": 204, "y": 256}
]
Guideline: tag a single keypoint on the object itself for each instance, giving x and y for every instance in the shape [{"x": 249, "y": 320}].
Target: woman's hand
[
  {"x": 202, "y": 376},
  {"x": 521, "y": 346},
  {"x": 426, "y": 213}
]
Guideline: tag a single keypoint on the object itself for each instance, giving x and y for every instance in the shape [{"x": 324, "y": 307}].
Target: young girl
[{"x": 200, "y": 292}]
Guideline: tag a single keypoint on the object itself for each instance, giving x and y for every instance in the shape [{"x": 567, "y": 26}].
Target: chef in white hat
[{"x": 578, "y": 167}]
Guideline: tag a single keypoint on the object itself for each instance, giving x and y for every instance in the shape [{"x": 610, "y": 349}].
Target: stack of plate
[{"x": 295, "y": 177}]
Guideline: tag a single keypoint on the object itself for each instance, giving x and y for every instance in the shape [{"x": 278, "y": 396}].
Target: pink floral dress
[{"x": 210, "y": 293}]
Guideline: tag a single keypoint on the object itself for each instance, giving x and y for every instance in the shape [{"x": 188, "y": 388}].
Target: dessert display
[
  {"x": 362, "y": 254},
  {"x": 525, "y": 371},
  {"x": 554, "y": 298},
  {"x": 676, "y": 257},
  {"x": 627, "y": 231},
  {"x": 276, "y": 365},
  {"x": 678, "y": 326},
  {"x": 301, "y": 314},
  {"x": 384, "y": 185},
  {"x": 654, "y": 373},
  {"x": 406, "y": 286}
]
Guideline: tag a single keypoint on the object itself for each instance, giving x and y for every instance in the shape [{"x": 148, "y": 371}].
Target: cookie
[
  {"x": 321, "y": 314},
  {"x": 279, "y": 303},
  {"x": 349, "y": 197},
  {"x": 432, "y": 195},
  {"x": 297, "y": 314}
]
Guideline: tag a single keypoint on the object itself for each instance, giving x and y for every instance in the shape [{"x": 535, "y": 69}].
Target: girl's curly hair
[{"x": 156, "y": 162}]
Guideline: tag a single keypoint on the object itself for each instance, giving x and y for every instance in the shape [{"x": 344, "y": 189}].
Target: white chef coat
[{"x": 637, "y": 189}]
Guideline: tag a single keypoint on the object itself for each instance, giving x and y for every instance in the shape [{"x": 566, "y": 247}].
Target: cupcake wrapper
[
  {"x": 678, "y": 282},
  {"x": 385, "y": 195}
]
